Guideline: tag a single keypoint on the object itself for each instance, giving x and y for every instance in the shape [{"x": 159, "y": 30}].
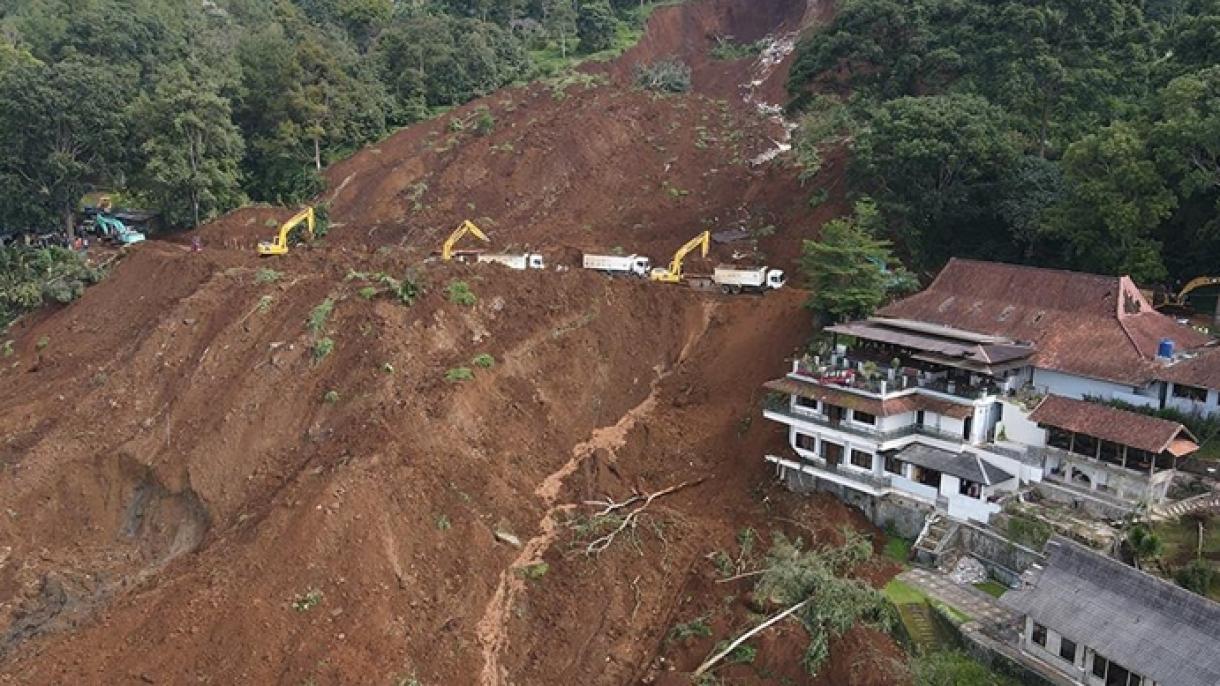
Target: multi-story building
[{"x": 987, "y": 380}]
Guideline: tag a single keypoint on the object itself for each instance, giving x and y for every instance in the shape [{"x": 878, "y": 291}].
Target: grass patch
[
  {"x": 442, "y": 522},
  {"x": 331, "y": 397},
  {"x": 992, "y": 588},
  {"x": 900, "y": 593},
  {"x": 484, "y": 361},
  {"x": 459, "y": 374},
  {"x": 897, "y": 549},
  {"x": 266, "y": 276}
]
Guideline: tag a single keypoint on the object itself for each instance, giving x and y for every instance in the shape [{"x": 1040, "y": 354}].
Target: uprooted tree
[{"x": 813, "y": 586}]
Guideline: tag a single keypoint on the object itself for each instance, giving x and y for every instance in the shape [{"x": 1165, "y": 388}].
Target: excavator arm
[
  {"x": 463, "y": 229},
  {"x": 673, "y": 274},
  {"x": 280, "y": 245},
  {"x": 1196, "y": 284}
]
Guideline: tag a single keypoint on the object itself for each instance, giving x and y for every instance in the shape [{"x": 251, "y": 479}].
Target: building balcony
[
  {"x": 784, "y": 414},
  {"x": 838, "y": 473},
  {"x": 867, "y": 377}
]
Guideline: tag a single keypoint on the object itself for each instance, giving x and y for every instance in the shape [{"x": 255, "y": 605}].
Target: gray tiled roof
[
  {"x": 965, "y": 465},
  {"x": 1135, "y": 619}
]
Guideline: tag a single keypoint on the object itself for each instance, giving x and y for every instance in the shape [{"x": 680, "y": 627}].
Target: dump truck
[
  {"x": 732, "y": 279},
  {"x": 618, "y": 265},
  {"x": 526, "y": 261}
]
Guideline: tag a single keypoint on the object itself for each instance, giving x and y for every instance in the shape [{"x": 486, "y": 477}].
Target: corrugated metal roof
[{"x": 1135, "y": 619}]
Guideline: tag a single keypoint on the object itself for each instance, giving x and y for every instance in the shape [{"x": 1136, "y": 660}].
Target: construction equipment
[
  {"x": 615, "y": 265},
  {"x": 114, "y": 229},
  {"x": 526, "y": 261},
  {"x": 280, "y": 245},
  {"x": 673, "y": 274},
  {"x": 733, "y": 280},
  {"x": 457, "y": 235}
]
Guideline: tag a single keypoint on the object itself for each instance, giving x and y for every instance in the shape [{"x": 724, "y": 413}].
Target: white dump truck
[
  {"x": 618, "y": 265},
  {"x": 733, "y": 279},
  {"x": 526, "y": 261}
]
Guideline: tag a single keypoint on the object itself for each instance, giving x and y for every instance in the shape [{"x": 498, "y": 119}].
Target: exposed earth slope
[{"x": 197, "y": 487}]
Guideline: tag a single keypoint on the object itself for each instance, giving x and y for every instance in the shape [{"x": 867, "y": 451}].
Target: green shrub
[
  {"x": 331, "y": 397},
  {"x": 321, "y": 220},
  {"x": 484, "y": 122},
  {"x": 30, "y": 277},
  {"x": 42, "y": 342},
  {"x": 321, "y": 348},
  {"x": 266, "y": 276},
  {"x": 663, "y": 76},
  {"x": 264, "y": 304},
  {"x": 318, "y": 316},
  {"x": 1197, "y": 576},
  {"x": 484, "y": 361},
  {"x": 1029, "y": 532},
  {"x": 368, "y": 292},
  {"x": 695, "y": 628},
  {"x": 727, "y": 49},
  {"x": 442, "y": 522},
  {"x": 459, "y": 292},
  {"x": 534, "y": 571},
  {"x": 307, "y": 601},
  {"x": 458, "y": 374}
]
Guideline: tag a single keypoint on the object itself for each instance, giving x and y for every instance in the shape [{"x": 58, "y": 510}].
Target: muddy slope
[{"x": 199, "y": 485}]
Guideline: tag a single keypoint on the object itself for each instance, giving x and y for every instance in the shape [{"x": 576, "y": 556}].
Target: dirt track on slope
[{"x": 190, "y": 495}]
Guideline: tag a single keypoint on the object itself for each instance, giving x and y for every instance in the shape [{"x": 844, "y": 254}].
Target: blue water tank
[{"x": 1165, "y": 349}]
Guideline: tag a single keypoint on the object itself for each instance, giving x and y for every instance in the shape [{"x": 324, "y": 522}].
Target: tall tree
[
  {"x": 596, "y": 26},
  {"x": 192, "y": 148},
  {"x": 59, "y": 135},
  {"x": 849, "y": 270}
]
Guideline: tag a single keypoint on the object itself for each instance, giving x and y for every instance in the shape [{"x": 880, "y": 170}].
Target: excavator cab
[
  {"x": 673, "y": 274},
  {"x": 279, "y": 246},
  {"x": 457, "y": 235}
]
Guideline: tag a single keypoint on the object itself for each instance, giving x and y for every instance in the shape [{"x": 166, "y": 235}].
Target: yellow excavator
[
  {"x": 280, "y": 245},
  {"x": 457, "y": 235},
  {"x": 1179, "y": 299},
  {"x": 673, "y": 273}
]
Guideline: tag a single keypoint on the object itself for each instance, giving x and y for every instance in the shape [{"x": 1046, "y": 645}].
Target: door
[
  {"x": 835, "y": 414},
  {"x": 919, "y": 417},
  {"x": 966, "y": 428}
]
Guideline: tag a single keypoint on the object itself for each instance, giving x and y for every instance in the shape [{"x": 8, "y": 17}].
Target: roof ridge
[{"x": 1031, "y": 267}]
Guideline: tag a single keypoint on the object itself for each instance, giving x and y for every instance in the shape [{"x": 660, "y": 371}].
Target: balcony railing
[
  {"x": 848, "y": 372},
  {"x": 819, "y": 464},
  {"x": 871, "y": 434}
]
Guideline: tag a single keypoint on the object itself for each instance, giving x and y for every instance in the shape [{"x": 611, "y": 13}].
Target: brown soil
[{"x": 183, "y": 503}]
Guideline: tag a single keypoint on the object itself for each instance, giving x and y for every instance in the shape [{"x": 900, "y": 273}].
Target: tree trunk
[
  {"x": 69, "y": 225},
  {"x": 317, "y": 153}
]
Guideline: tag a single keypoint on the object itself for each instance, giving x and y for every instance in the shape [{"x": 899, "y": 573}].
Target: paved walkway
[{"x": 981, "y": 607}]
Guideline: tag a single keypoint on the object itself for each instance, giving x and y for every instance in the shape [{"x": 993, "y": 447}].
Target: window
[
  {"x": 806, "y": 403},
  {"x": 1099, "y": 666},
  {"x": 1039, "y": 635},
  {"x": 806, "y": 442},
  {"x": 1067, "y": 649},
  {"x": 863, "y": 418},
  {"x": 893, "y": 465},
  {"x": 1114, "y": 673},
  {"x": 969, "y": 489},
  {"x": 1085, "y": 445},
  {"x": 1193, "y": 393},
  {"x": 861, "y": 459}
]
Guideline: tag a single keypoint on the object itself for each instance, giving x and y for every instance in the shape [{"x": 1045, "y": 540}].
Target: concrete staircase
[
  {"x": 937, "y": 534},
  {"x": 1199, "y": 503}
]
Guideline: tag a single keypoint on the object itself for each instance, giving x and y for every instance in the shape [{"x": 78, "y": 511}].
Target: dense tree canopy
[
  {"x": 1073, "y": 133},
  {"x": 190, "y": 107}
]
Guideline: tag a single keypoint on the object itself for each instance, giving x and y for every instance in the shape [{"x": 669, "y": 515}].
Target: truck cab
[{"x": 776, "y": 279}]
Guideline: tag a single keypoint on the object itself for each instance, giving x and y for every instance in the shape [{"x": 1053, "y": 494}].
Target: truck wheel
[
  {"x": 726, "y": 289},
  {"x": 736, "y": 290}
]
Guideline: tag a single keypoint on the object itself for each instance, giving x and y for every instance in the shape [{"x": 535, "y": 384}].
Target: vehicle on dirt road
[
  {"x": 618, "y": 265},
  {"x": 673, "y": 273},
  {"x": 114, "y": 229},
  {"x": 526, "y": 261},
  {"x": 279, "y": 246},
  {"x": 732, "y": 279}
]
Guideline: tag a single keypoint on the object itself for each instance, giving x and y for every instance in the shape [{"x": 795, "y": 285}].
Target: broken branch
[
  {"x": 629, "y": 521},
  {"x": 710, "y": 662}
]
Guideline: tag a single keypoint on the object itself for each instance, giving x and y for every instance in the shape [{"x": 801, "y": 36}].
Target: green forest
[
  {"x": 1082, "y": 134},
  {"x": 193, "y": 108}
]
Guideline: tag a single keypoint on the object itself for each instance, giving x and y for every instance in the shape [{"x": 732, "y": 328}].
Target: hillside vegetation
[
  {"x": 195, "y": 107},
  {"x": 1076, "y": 133}
]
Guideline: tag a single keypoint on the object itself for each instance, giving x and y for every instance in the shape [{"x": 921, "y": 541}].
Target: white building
[{"x": 959, "y": 394}]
